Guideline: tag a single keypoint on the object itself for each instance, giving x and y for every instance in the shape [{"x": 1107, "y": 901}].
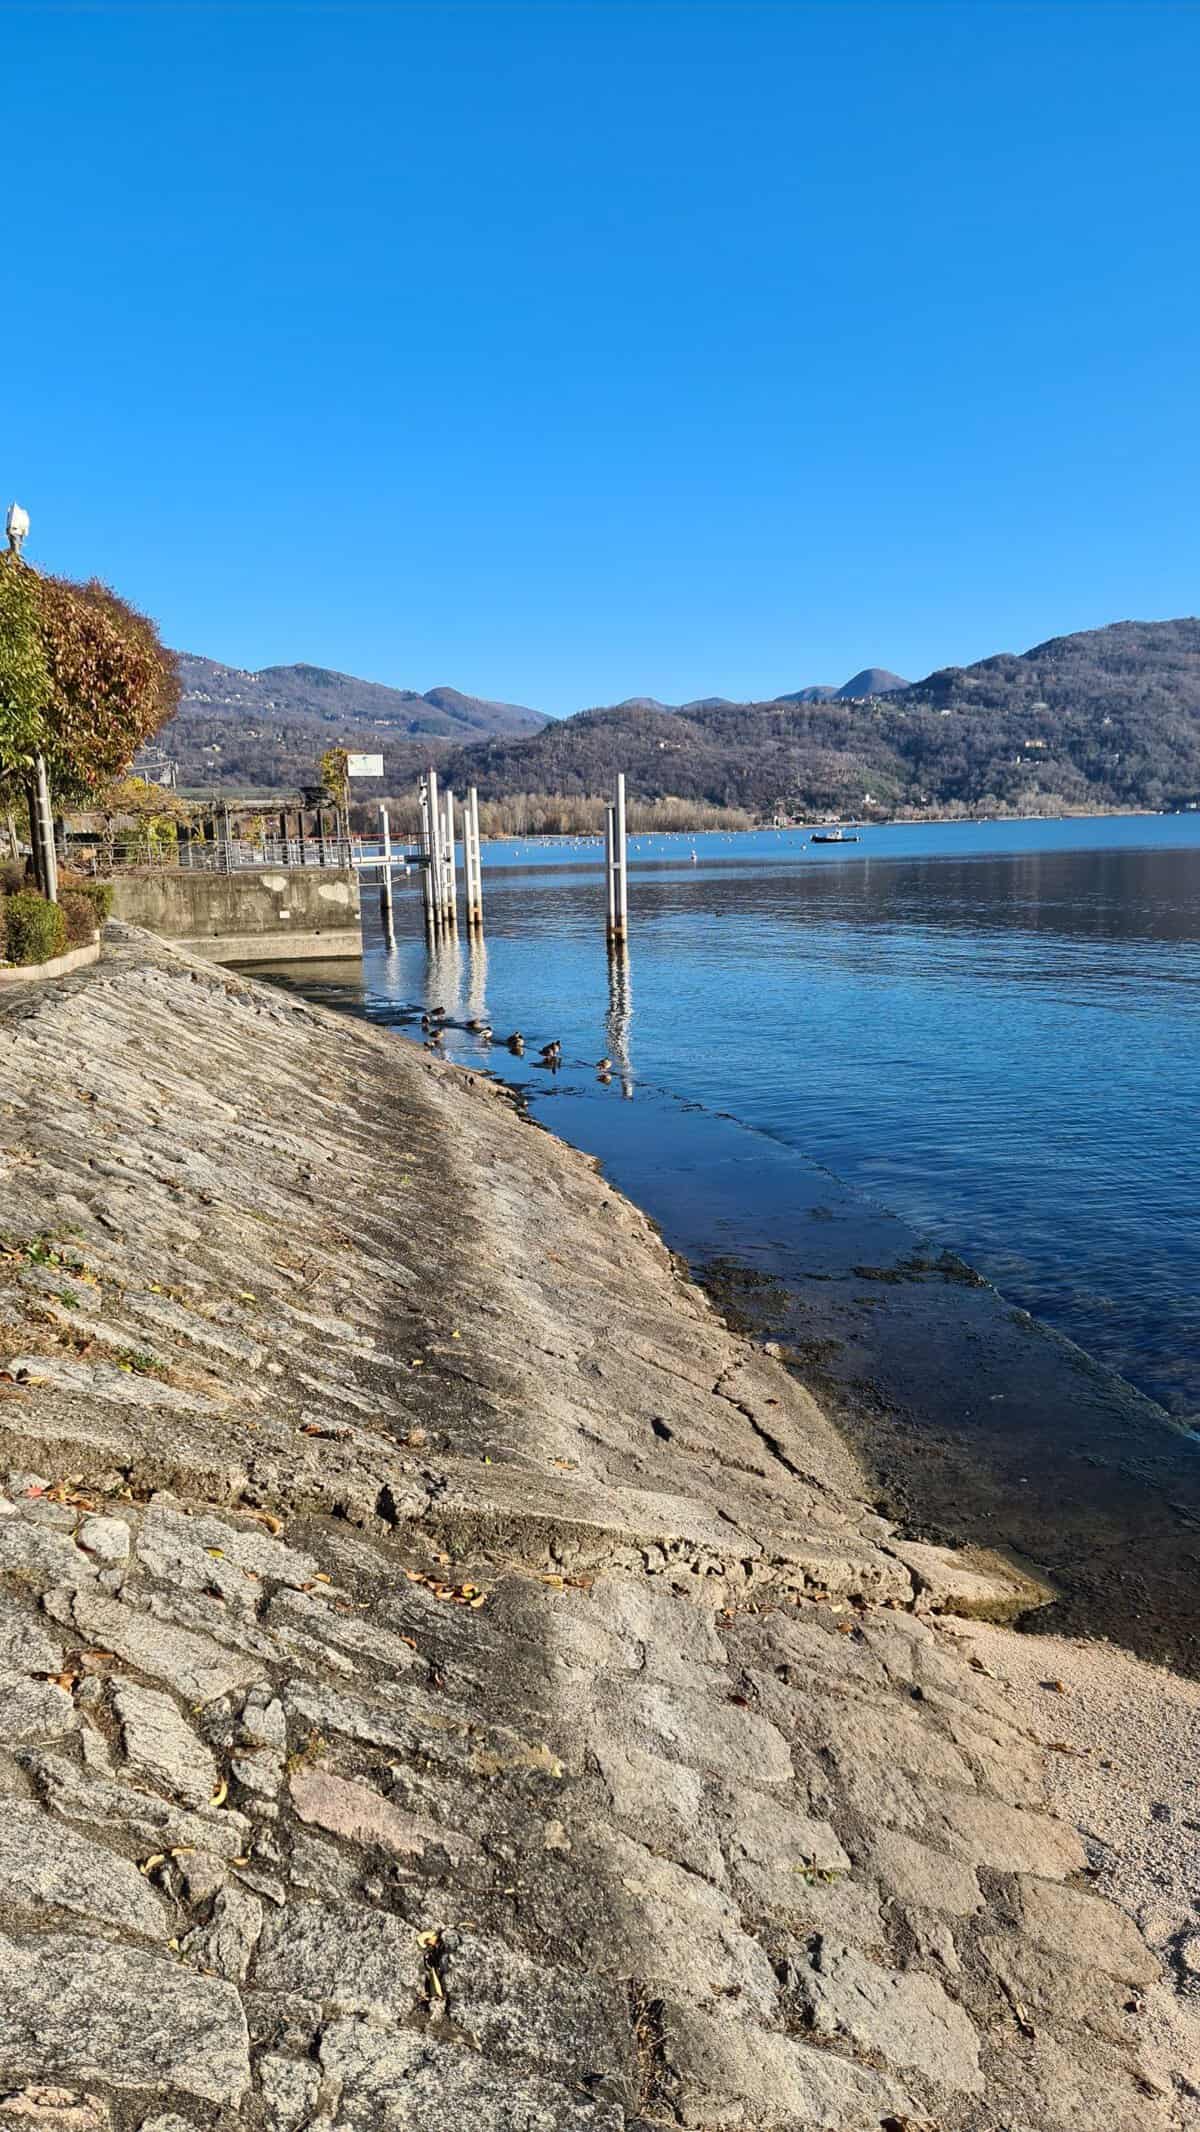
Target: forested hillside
[
  {"x": 1108, "y": 718},
  {"x": 269, "y": 728}
]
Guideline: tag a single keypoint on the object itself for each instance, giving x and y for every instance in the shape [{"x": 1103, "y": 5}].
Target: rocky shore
[{"x": 451, "y": 1680}]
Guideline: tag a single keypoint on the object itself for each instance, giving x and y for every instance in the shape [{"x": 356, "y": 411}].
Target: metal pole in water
[
  {"x": 427, "y": 883},
  {"x": 620, "y": 862},
  {"x": 435, "y": 850},
  {"x": 385, "y": 894},
  {"x": 610, "y": 883},
  {"x": 475, "y": 887},
  {"x": 451, "y": 875}
]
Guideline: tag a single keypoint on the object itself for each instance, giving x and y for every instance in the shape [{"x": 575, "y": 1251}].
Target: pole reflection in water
[
  {"x": 620, "y": 1014},
  {"x": 443, "y": 973},
  {"x": 477, "y": 978}
]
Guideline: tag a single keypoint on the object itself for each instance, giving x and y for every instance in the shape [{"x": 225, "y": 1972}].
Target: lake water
[{"x": 989, "y": 1029}]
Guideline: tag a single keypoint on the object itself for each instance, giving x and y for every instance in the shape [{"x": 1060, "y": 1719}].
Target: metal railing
[{"x": 226, "y": 855}]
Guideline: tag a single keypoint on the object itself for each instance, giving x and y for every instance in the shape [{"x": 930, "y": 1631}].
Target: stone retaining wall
[{"x": 451, "y": 1682}]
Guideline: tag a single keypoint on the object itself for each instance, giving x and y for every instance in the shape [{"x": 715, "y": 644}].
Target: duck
[
  {"x": 604, "y": 1065},
  {"x": 477, "y": 1027},
  {"x": 515, "y": 1042},
  {"x": 551, "y": 1054}
]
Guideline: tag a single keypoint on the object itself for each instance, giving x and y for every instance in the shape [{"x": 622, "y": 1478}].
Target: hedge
[
  {"x": 36, "y": 930},
  {"x": 80, "y": 914},
  {"x": 99, "y": 895}
]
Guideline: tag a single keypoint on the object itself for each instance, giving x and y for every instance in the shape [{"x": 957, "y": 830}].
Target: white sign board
[{"x": 364, "y": 766}]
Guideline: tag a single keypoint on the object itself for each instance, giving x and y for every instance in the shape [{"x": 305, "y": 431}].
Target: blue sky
[{"x": 565, "y": 352}]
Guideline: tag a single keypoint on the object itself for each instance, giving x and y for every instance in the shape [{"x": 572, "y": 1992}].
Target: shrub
[
  {"x": 12, "y": 877},
  {"x": 80, "y": 915},
  {"x": 3, "y": 928},
  {"x": 99, "y": 894},
  {"x": 37, "y": 930}
]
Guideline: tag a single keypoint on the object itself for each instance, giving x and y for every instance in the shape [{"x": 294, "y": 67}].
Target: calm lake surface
[{"x": 990, "y": 1030}]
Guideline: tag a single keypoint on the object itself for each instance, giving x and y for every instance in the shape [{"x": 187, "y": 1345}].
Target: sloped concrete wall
[{"x": 258, "y": 915}]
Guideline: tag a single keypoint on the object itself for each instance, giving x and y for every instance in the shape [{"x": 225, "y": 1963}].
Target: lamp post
[{"x": 41, "y": 817}]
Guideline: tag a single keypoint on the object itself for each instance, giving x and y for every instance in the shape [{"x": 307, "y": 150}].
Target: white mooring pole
[
  {"x": 468, "y": 863},
  {"x": 427, "y": 883},
  {"x": 475, "y": 877},
  {"x": 451, "y": 878},
  {"x": 610, "y": 879},
  {"x": 435, "y": 852},
  {"x": 385, "y": 895},
  {"x": 620, "y": 863}
]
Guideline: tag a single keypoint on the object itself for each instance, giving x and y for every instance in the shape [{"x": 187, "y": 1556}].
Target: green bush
[
  {"x": 98, "y": 893},
  {"x": 37, "y": 930},
  {"x": 80, "y": 915}
]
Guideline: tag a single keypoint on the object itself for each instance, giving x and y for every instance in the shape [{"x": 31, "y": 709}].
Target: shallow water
[{"x": 990, "y": 1029}]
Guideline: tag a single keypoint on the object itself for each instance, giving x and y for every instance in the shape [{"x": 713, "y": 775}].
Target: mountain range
[
  {"x": 267, "y": 728},
  {"x": 1104, "y": 718},
  {"x": 872, "y": 681}
]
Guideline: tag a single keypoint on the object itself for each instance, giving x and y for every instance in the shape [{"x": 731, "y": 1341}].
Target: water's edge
[{"x": 978, "y": 1424}]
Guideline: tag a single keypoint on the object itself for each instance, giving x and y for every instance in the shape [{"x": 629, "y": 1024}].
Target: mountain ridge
[
  {"x": 268, "y": 725},
  {"x": 1100, "y": 719},
  {"x": 1097, "y": 719}
]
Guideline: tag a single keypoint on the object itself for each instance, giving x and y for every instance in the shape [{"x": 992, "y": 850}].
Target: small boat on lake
[{"x": 834, "y": 836}]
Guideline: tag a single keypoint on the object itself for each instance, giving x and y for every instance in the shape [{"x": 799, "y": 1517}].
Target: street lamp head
[{"x": 16, "y": 525}]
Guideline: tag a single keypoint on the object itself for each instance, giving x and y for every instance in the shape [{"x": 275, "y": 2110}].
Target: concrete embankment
[
  {"x": 257, "y": 914},
  {"x": 451, "y": 1680}
]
